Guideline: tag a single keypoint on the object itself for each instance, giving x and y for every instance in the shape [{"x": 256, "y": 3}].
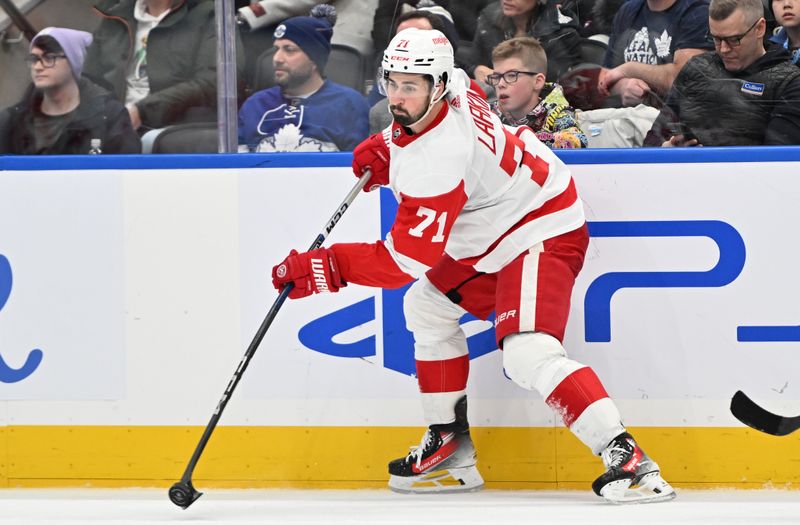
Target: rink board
[{"x": 129, "y": 288}]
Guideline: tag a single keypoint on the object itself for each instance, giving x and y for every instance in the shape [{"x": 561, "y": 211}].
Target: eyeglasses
[
  {"x": 48, "y": 60},
  {"x": 509, "y": 76},
  {"x": 732, "y": 41}
]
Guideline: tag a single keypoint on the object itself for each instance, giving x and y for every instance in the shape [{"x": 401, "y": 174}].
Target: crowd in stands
[{"x": 670, "y": 73}]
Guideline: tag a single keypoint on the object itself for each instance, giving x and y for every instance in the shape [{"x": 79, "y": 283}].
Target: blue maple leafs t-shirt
[{"x": 652, "y": 37}]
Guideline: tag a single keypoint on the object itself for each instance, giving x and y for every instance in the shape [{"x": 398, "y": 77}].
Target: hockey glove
[
  {"x": 311, "y": 272},
  {"x": 372, "y": 153}
]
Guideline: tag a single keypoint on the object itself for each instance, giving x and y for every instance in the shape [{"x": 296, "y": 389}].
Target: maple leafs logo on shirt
[
  {"x": 290, "y": 138},
  {"x": 663, "y": 43},
  {"x": 638, "y": 49}
]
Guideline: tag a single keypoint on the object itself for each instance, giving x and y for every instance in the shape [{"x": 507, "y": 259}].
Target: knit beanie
[
  {"x": 72, "y": 41},
  {"x": 311, "y": 33}
]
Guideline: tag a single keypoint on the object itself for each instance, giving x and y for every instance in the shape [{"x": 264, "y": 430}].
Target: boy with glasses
[
  {"x": 62, "y": 113},
  {"x": 524, "y": 98},
  {"x": 741, "y": 94}
]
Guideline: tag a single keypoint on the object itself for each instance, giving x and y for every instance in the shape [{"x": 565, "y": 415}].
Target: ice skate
[
  {"x": 444, "y": 461},
  {"x": 631, "y": 476}
]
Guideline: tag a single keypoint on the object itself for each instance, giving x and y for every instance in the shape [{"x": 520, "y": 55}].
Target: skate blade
[
  {"x": 652, "y": 488},
  {"x": 465, "y": 479}
]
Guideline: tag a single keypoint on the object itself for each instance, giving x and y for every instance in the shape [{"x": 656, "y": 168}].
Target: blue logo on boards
[
  {"x": 597, "y": 302},
  {"x": 8, "y": 374},
  {"x": 398, "y": 343}
]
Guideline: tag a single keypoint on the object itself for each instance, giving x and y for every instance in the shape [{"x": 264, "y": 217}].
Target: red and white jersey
[
  {"x": 471, "y": 187},
  {"x": 475, "y": 189}
]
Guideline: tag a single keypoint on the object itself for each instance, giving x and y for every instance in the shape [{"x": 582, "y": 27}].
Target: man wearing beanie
[
  {"x": 61, "y": 113},
  {"x": 304, "y": 111}
]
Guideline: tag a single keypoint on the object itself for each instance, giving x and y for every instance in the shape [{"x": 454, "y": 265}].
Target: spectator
[
  {"x": 787, "y": 14},
  {"x": 304, "y": 111},
  {"x": 260, "y": 18},
  {"x": 650, "y": 43},
  {"x": 525, "y": 99},
  {"x": 464, "y": 15},
  {"x": 390, "y": 15},
  {"x": 738, "y": 95},
  {"x": 60, "y": 112},
  {"x": 159, "y": 57},
  {"x": 444, "y": 16},
  {"x": 542, "y": 19}
]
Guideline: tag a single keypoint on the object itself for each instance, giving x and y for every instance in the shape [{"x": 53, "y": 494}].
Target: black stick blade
[
  {"x": 752, "y": 415},
  {"x": 183, "y": 494}
]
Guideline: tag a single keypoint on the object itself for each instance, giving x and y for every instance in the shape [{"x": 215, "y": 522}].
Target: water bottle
[{"x": 94, "y": 147}]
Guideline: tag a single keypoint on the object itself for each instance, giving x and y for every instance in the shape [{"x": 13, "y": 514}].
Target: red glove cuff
[{"x": 372, "y": 153}]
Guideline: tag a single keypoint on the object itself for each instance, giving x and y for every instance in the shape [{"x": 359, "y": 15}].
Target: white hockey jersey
[{"x": 471, "y": 187}]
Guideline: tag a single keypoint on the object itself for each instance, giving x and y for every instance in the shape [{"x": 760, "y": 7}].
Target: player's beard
[{"x": 404, "y": 118}]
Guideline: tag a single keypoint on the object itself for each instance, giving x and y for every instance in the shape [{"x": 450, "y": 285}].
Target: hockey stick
[
  {"x": 752, "y": 415},
  {"x": 183, "y": 493}
]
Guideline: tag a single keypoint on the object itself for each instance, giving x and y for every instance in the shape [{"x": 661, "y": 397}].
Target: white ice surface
[{"x": 119, "y": 507}]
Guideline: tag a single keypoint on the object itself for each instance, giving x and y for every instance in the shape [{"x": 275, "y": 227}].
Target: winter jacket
[
  {"x": 757, "y": 105},
  {"x": 552, "y": 120},
  {"x": 98, "y": 116},
  {"x": 181, "y": 59},
  {"x": 781, "y": 39},
  {"x": 556, "y": 31}
]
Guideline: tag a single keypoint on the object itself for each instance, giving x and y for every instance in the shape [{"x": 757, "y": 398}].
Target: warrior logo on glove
[{"x": 310, "y": 272}]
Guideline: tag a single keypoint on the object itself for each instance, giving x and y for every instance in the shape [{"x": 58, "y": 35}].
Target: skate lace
[
  {"x": 614, "y": 456},
  {"x": 417, "y": 452}
]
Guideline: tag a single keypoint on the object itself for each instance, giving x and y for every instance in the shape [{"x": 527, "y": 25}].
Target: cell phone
[{"x": 679, "y": 128}]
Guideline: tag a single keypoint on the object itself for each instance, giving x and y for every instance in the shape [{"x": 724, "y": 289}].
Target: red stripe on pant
[
  {"x": 449, "y": 375},
  {"x": 575, "y": 393}
]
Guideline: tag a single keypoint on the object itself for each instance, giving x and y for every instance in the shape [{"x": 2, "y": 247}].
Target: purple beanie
[
  {"x": 311, "y": 34},
  {"x": 72, "y": 41}
]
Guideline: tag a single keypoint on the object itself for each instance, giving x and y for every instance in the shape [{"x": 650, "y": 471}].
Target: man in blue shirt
[
  {"x": 304, "y": 111},
  {"x": 650, "y": 43}
]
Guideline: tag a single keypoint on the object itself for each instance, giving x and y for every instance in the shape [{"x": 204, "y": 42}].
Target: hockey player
[{"x": 488, "y": 220}]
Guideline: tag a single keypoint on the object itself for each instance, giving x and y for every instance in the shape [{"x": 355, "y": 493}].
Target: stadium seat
[
  {"x": 580, "y": 81},
  {"x": 593, "y": 51},
  {"x": 345, "y": 66},
  {"x": 195, "y": 137}
]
